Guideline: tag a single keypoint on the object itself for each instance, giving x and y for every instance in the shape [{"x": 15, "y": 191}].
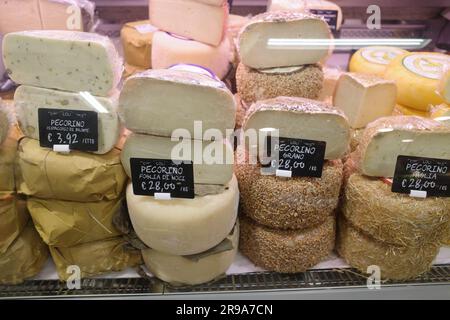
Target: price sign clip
[
  {"x": 162, "y": 196},
  {"x": 284, "y": 173},
  {"x": 418, "y": 194},
  {"x": 61, "y": 148}
]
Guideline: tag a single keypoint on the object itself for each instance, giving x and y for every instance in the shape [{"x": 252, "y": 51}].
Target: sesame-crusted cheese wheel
[
  {"x": 300, "y": 81},
  {"x": 296, "y": 203},
  {"x": 395, "y": 262},
  {"x": 286, "y": 251},
  {"x": 371, "y": 206}
]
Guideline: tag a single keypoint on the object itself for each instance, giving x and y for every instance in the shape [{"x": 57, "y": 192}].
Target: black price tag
[
  {"x": 76, "y": 128},
  {"x": 304, "y": 158},
  {"x": 150, "y": 176},
  {"x": 422, "y": 174},
  {"x": 330, "y": 16}
]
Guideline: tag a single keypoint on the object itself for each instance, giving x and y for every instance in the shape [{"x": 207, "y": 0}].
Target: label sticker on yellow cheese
[
  {"x": 380, "y": 55},
  {"x": 426, "y": 65}
]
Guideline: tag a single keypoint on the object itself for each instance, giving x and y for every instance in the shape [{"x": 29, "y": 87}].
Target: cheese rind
[
  {"x": 64, "y": 60},
  {"x": 441, "y": 113},
  {"x": 302, "y": 81},
  {"x": 300, "y": 118},
  {"x": 364, "y": 98},
  {"x": 197, "y": 20},
  {"x": 70, "y": 223},
  {"x": 29, "y": 99},
  {"x": 417, "y": 76},
  {"x": 184, "y": 226},
  {"x": 374, "y": 60},
  {"x": 24, "y": 258},
  {"x": 181, "y": 270},
  {"x": 262, "y": 42},
  {"x": 78, "y": 176},
  {"x": 178, "y": 99},
  {"x": 387, "y": 138},
  {"x": 137, "y": 38},
  {"x": 286, "y": 251},
  {"x": 169, "y": 49},
  {"x": 208, "y": 176},
  {"x": 330, "y": 80},
  {"x": 13, "y": 219}
]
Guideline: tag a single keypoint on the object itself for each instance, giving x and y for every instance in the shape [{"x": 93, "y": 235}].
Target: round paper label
[
  {"x": 380, "y": 55},
  {"x": 426, "y": 65}
]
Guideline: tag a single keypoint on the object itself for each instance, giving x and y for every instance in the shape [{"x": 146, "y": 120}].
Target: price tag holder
[
  {"x": 150, "y": 176},
  {"x": 304, "y": 158},
  {"x": 413, "y": 174},
  {"x": 330, "y": 16},
  {"x": 75, "y": 128}
]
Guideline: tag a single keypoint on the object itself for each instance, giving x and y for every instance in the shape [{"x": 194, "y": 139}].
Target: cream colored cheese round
[
  {"x": 180, "y": 270},
  {"x": 184, "y": 226}
]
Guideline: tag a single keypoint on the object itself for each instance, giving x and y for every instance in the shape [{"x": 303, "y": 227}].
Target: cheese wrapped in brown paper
[
  {"x": 13, "y": 219},
  {"x": 25, "y": 257},
  {"x": 69, "y": 223},
  {"x": 96, "y": 257},
  {"x": 77, "y": 176},
  {"x": 8, "y": 151}
]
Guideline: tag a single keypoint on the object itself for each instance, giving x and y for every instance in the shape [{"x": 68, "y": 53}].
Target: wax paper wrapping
[
  {"x": 8, "y": 150},
  {"x": 77, "y": 176},
  {"x": 69, "y": 223},
  {"x": 13, "y": 219},
  {"x": 25, "y": 257},
  {"x": 96, "y": 257}
]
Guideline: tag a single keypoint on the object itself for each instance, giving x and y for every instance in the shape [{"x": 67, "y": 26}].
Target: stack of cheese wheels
[
  {"x": 191, "y": 32},
  {"x": 394, "y": 231},
  {"x": 22, "y": 252},
  {"x": 288, "y": 224},
  {"x": 420, "y": 78},
  {"x": 188, "y": 240},
  {"x": 275, "y": 61},
  {"x": 73, "y": 195}
]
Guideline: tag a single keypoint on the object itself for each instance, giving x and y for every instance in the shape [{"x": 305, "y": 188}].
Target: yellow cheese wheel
[
  {"x": 373, "y": 60},
  {"x": 400, "y": 110},
  {"x": 417, "y": 76}
]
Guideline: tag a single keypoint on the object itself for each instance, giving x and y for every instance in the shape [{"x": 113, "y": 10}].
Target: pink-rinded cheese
[
  {"x": 203, "y": 21},
  {"x": 169, "y": 49}
]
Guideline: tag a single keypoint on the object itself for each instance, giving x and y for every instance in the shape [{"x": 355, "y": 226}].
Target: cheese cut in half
[
  {"x": 444, "y": 85},
  {"x": 371, "y": 206},
  {"x": 270, "y": 200},
  {"x": 74, "y": 15},
  {"x": 24, "y": 258},
  {"x": 364, "y": 98},
  {"x": 184, "y": 226},
  {"x": 387, "y": 138},
  {"x": 374, "y": 60},
  {"x": 70, "y": 223},
  {"x": 273, "y": 40},
  {"x": 203, "y": 21},
  {"x": 286, "y": 251},
  {"x": 28, "y": 100},
  {"x": 400, "y": 110},
  {"x": 95, "y": 258},
  {"x": 19, "y": 15},
  {"x": 213, "y": 161},
  {"x": 417, "y": 76},
  {"x": 137, "y": 38},
  {"x": 195, "y": 269},
  {"x": 302, "y": 81},
  {"x": 300, "y": 118},
  {"x": 330, "y": 80},
  {"x": 65, "y": 60},
  {"x": 169, "y": 49},
  {"x": 13, "y": 219},
  {"x": 395, "y": 262},
  {"x": 4, "y": 123},
  {"x": 160, "y": 101},
  {"x": 78, "y": 176}
]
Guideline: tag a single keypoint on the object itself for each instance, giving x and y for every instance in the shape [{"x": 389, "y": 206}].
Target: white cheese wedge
[
  {"x": 417, "y": 76},
  {"x": 300, "y": 118},
  {"x": 13, "y": 19},
  {"x": 198, "y": 20},
  {"x": 192, "y": 270},
  {"x": 364, "y": 98},
  {"x": 210, "y": 174},
  {"x": 65, "y": 60},
  {"x": 374, "y": 59},
  {"x": 184, "y": 226},
  {"x": 29, "y": 99},
  {"x": 74, "y": 15},
  {"x": 160, "y": 101},
  {"x": 283, "y": 39},
  {"x": 137, "y": 43},
  {"x": 169, "y": 49},
  {"x": 387, "y": 138}
]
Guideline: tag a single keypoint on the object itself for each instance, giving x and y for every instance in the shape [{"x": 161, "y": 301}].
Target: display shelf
[{"x": 343, "y": 283}]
